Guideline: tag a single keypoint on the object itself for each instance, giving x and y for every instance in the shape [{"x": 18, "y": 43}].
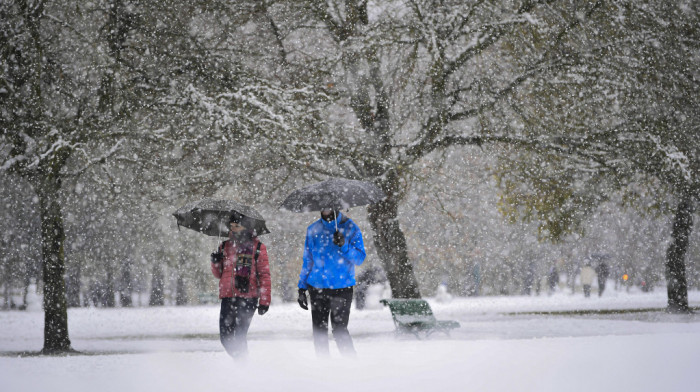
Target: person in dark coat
[
  {"x": 553, "y": 278},
  {"x": 603, "y": 272},
  {"x": 332, "y": 249},
  {"x": 242, "y": 267}
]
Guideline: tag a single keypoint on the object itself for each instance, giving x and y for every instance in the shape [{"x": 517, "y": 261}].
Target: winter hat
[
  {"x": 235, "y": 218},
  {"x": 331, "y": 216}
]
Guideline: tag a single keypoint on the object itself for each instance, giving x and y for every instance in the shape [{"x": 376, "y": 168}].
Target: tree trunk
[
  {"x": 180, "y": 292},
  {"x": 677, "y": 283},
  {"x": 108, "y": 300},
  {"x": 157, "y": 297},
  {"x": 6, "y": 294},
  {"x": 73, "y": 285},
  {"x": 52, "y": 237},
  {"x": 6, "y": 280},
  {"x": 26, "y": 281},
  {"x": 391, "y": 247}
]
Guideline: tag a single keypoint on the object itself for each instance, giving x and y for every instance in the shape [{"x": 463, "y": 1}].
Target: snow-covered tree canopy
[{"x": 625, "y": 116}]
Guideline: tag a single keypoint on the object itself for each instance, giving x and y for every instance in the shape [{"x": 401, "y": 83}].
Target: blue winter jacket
[{"x": 326, "y": 265}]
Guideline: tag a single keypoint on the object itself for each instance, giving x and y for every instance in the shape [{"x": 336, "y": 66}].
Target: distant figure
[
  {"x": 529, "y": 279},
  {"x": 553, "y": 278},
  {"x": 442, "y": 295},
  {"x": 587, "y": 275},
  {"x": 603, "y": 271}
]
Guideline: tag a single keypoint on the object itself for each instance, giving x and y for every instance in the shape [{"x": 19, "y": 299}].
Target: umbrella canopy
[
  {"x": 210, "y": 216},
  {"x": 336, "y": 193}
]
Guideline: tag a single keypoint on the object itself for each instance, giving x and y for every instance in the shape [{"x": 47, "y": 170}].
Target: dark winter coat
[{"x": 259, "y": 277}]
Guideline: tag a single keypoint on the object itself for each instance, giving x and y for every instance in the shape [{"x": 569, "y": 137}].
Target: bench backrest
[{"x": 406, "y": 310}]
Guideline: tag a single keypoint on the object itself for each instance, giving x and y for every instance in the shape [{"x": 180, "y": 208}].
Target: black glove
[
  {"x": 217, "y": 257},
  {"x": 339, "y": 238},
  {"x": 262, "y": 309},
  {"x": 302, "y": 299}
]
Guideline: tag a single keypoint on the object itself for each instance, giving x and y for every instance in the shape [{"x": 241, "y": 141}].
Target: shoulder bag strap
[{"x": 257, "y": 253}]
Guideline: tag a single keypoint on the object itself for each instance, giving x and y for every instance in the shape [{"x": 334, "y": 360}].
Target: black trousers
[
  {"x": 335, "y": 303},
  {"x": 586, "y": 290},
  {"x": 234, "y": 321}
]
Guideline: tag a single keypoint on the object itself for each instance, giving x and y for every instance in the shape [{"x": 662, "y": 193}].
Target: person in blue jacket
[{"x": 332, "y": 249}]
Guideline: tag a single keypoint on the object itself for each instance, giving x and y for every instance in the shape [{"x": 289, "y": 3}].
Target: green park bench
[{"x": 415, "y": 316}]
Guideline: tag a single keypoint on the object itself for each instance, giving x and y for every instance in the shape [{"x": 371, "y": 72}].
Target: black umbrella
[
  {"x": 211, "y": 216},
  {"x": 336, "y": 194}
]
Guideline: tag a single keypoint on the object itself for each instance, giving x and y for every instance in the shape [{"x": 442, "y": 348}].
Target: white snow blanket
[{"x": 177, "y": 349}]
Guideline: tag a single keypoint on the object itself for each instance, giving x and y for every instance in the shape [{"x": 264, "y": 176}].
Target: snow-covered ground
[{"x": 499, "y": 347}]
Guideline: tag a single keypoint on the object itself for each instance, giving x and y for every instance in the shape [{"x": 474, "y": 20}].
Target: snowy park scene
[
  {"x": 504, "y": 343},
  {"x": 346, "y": 195}
]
